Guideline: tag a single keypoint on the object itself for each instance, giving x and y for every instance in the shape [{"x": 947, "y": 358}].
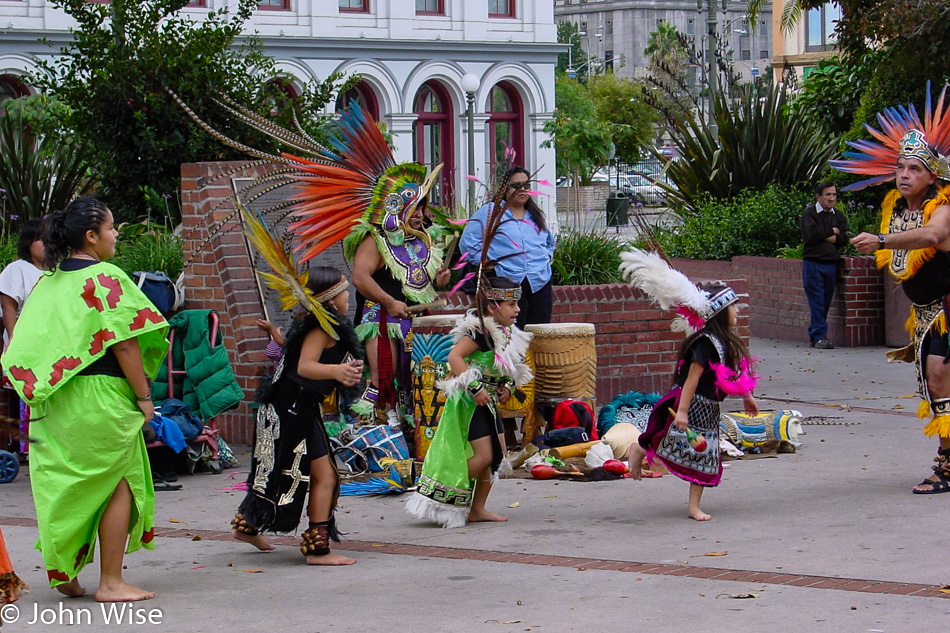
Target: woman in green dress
[{"x": 80, "y": 356}]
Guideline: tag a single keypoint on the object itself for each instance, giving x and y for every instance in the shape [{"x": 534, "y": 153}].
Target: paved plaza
[{"x": 827, "y": 539}]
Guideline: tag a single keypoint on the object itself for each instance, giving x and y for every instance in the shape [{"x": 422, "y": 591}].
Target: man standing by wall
[{"x": 824, "y": 234}]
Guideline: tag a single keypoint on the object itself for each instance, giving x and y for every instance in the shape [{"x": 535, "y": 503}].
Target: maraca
[{"x": 696, "y": 441}]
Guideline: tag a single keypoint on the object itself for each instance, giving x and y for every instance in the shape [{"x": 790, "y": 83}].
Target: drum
[
  {"x": 565, "y": 359},
  {"x": 431, "y": 343}
]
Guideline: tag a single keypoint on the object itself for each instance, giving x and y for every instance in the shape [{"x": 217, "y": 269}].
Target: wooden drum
[
  {"x": 431, "y": 343},
  {"x": 565, "y": 359}
]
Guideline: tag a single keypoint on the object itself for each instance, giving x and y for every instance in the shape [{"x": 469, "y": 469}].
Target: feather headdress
[
  {"x": 902, "y": 134},
  {"x": 291, "y": 286},
  {"x": 353, "y": 180},
  {"x": 669, "y": 288}
]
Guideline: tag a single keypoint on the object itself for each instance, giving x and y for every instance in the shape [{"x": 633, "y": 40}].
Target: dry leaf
[
  {"x": 944, "y": 590},
  {"x": 713, "y": 554},
  {"x": 252, "y": 571},
  {"x": 515, "y": 504},
  {"x": 908, "y": 396},
  {"x": 196, "y": 537},
  {"x": 739, "y": 596},
  {"x": 378, "y": 545},
  {"x": 898, "y": 406},
  {"x": 175, "y": 521}
]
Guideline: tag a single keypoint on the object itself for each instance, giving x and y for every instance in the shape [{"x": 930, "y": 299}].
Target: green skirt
[{"x": 88, "y": 440}]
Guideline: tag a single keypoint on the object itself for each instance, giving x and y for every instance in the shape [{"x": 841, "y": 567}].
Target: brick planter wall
[
  {"x": 777, "y": 303},
  {"x": 219, "y": 277}
]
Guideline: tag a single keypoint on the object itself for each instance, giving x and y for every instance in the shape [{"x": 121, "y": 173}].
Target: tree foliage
[
  {"x": 831, "y": 94},
  {"x": 115, "y": 75},
  {"x": 620, "y": 102}
]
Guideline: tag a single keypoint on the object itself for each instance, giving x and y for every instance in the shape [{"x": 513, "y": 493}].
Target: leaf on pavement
[
  {"x": 175, "y": 521},
  {"x": 515, "y": 504}
]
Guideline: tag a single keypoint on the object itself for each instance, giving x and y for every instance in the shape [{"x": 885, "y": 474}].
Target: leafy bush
[
  {"x": 759, "y": 142},
  {"x": 147, "y": 246},
  {"x": 583, "y": 259},
  {"x": 752, "y": 223}
]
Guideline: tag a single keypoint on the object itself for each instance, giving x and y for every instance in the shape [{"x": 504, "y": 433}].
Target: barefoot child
[
  {"x": 712, "y": 364},
  {"x": 293, "y": 460},
  {"x": 487, "y": 363}
]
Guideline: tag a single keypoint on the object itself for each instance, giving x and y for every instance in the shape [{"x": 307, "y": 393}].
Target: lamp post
[
  {"x": 470, "y": 84},
  {"x": 571, "y": 71}
]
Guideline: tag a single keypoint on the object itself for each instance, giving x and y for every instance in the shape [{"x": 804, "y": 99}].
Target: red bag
[{"x": 569, "y": 413}]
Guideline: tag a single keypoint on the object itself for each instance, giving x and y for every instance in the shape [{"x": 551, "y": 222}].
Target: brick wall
[
  {"x": 777, "y": 303},
  {"x": 218, "y": 277}
]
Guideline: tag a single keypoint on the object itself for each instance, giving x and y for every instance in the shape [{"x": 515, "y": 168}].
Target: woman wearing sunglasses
[{"x": 523, "y": 246}]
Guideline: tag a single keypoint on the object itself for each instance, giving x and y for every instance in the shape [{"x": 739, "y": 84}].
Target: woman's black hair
[
  {"x": 537, "y": 216},
  {"x": 718, "y": 326},
  {"x": 31, "y": 231},
  {"x": 66, "y": 230}
]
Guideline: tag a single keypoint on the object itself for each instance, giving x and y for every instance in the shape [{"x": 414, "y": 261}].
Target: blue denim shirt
[{"x": 533, "y": 248}]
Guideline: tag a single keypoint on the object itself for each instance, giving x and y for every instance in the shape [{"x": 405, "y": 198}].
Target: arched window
[
  {"x": 505, "y": 125},
  {"x": 12, "y": 88},
  {"x": 363, "y": 94},
  {"x": 433, "y": 137},
  {"x": 283, "y": 93}
]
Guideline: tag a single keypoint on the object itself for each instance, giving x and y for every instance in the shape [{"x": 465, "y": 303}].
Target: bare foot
[
  {"x": 635, "y": 455},
  {"x": 332, "y": 559},
  {"x": 122, "y": 592},
  {"x": 482, "y": 516},
  {"x": 257, "y": 540},
  {"x": 72, "y": 589},
  {"x": 699, "y": 515}
]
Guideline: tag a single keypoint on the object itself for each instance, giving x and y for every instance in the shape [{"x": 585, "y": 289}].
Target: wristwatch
[{"x": 880, "y": 242}]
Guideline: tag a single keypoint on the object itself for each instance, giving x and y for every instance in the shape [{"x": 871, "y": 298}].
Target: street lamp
[
  {"x": 470, "y": 84},
  {"x": 571, "y": 71}
]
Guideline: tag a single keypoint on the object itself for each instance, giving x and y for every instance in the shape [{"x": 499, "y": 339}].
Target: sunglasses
[{"x": 520, "y": 185}]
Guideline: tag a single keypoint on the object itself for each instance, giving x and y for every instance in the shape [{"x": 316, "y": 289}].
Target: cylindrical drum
[
  {"x": 565, "y": 360},
  {"x": 431, "y": 344}
]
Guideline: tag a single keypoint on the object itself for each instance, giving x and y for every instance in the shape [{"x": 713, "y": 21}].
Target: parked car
[{"x": 644, "y": 190}]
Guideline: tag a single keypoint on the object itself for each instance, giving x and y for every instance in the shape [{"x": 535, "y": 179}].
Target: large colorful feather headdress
[
  {"x": 902, "y": 134},
  {"x": 354, "y": 180}
]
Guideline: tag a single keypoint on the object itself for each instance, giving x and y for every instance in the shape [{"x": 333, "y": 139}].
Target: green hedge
[{"x": 756, "y": 223}]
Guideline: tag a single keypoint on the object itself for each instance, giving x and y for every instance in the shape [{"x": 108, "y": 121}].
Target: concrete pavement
[{"x": 827, "y": 539}]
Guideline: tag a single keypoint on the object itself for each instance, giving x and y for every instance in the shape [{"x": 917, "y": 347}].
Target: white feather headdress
[{"x": 669, "y": 288}]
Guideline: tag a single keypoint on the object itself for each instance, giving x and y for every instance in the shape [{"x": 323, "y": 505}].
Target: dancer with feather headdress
[
  {"x": 352, "y": 190},
  {"x": 683, "y": 430},
  {"x": 487, "y": 363},
  {"x": 914, "y": 246},
  {"x": 293, "y": 457}
]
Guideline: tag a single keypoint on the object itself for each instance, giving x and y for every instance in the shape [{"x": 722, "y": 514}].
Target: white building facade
[{"x": 411, "y": 56}]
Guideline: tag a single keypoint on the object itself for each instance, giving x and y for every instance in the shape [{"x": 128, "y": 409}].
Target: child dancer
[
  {"x": 293, "y": 459},
  {"x": 468, "y": 449},
  {"x": 683, "y": 430}
]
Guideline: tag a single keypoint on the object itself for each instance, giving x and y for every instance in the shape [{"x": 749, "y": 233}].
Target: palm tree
[{"x": 665, "y": 47}]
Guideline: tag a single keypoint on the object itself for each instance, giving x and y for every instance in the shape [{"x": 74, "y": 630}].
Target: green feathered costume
[
  {"x": 87, "y": 428},
  {"x": 445, "y": 491}
]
